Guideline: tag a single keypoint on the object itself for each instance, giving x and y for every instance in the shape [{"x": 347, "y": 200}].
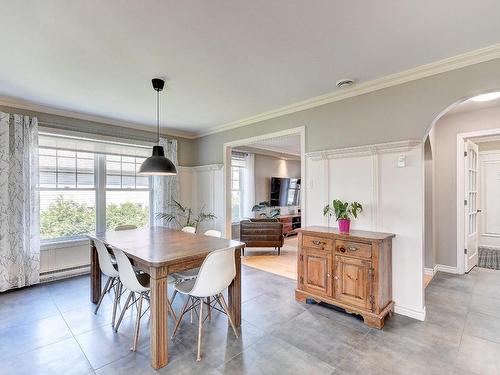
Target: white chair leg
[
  {"x": 137, "y": 322},
  {"x": 222, "y": 302},
  {"x": 200, "y": 330},
  {"x": 118, "y": 289},
  {"x": 104, "y": 291},
  {"x": 179, "y": 320},
  {"x": 123, "y": 311}
]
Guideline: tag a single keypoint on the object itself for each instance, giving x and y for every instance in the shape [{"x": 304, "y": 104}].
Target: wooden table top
[
  {"x": 353, "y": 234},
  {"x": 160, "y": 246}
]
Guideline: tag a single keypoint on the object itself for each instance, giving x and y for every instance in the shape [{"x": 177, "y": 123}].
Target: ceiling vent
[{"x": 344, "y": 83}]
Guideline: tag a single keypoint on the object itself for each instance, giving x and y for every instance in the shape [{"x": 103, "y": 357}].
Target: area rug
[
  {"x": 267, "y": 259},
  {"x": 489, "y": 258}
]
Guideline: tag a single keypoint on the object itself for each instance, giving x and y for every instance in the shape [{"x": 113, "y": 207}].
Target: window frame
[
  {"x": 99, "y": 189},
  {"x": 241, "y": 189}
]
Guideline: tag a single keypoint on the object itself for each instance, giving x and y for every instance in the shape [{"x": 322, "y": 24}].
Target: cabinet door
[
  {"x": 353, "y": 281},
  {"x": 317, "y": 271}
]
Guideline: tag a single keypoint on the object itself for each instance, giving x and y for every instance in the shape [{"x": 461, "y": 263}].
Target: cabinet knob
[
  {"x": 316, "y": 242},
  {"x": 353, "y": 248},
  {"x": 336, "y": 277},
  {"x": 342, "y": 249}
]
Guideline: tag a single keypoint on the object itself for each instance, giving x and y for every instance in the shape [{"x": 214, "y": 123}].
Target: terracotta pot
[{"x": 344, "y": 225}]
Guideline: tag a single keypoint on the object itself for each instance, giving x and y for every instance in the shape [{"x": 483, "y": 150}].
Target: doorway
[{"x": 264, "y": 200}]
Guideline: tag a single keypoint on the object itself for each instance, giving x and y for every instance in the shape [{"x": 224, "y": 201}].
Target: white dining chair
[
  {"x": 216, "y": 273},
  {"x": 135, "y": 283},
  {"x": 189, "y": 229},
  {"x": 213, "y": 233},
  {"x": 125, "y": 227},
  {"x": 109, "y": 270}
]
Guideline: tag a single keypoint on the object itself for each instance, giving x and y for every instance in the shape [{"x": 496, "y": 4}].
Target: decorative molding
[
  {"x": 444, "y": 268},
  {"x": 429, "y": 271},
  {"x": 415, "y": 314},
  {"x": 349, "y": 152},
  {"x": 199, "y": 168},
  {"x": 423, "y": 71},
  {"x": 29, "y": 106}
]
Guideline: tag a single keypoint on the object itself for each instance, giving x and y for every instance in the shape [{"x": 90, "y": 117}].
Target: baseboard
[
  {"x": 429, "y": 271},
  {"x": 63, "y": 274},
  {"x": 415, "y": 314},
  {"x": 444, "y": 268}
]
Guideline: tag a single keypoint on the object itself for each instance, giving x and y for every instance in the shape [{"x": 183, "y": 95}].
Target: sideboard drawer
[
  {"x": 355, "y": 249},
  {"x": 317, "y": 242}
]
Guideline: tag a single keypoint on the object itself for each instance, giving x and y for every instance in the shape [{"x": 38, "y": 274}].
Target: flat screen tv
[{"x": 284, "y": 191}]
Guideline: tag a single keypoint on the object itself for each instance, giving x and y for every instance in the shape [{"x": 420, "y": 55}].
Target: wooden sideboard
[{"x": 352, "y": 271}]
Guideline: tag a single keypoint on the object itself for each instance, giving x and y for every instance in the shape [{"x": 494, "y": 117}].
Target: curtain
[
  {"x": 249, "y": 186},
  {"x": 19, "y": 202},
  {"x": 165, "y": 188}
]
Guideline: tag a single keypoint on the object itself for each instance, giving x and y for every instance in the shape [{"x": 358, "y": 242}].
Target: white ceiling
[
  {"x": 223, "y": 59},
  {"x": 469, "y": 105}
]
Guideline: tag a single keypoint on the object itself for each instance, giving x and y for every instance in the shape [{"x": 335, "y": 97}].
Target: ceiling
[
  {"x": 470, "y": 105},
  {"x": 223, "y": 60}
]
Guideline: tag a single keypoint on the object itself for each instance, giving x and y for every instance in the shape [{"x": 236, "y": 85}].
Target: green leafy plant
[
  {"x": 183, "y": 216},
  {"x": 343, "y": 210}
]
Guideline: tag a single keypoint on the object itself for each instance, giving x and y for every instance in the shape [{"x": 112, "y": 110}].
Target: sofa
[{"x": 262, "y": 233}]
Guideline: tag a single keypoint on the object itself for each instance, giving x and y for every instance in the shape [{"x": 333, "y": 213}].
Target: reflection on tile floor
[{"x": 51, "y": 329}]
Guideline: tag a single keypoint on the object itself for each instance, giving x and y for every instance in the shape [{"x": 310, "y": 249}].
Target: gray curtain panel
[
  {"x": 165, "y": 188},
  {"x": 19, "y": 202}
]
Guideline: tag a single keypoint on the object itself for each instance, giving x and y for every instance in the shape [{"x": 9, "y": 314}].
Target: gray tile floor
[{"x": 50, "y": 329}]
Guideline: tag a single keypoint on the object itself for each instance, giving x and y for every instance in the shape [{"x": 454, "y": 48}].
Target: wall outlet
[{"x": 402, "y": 161}]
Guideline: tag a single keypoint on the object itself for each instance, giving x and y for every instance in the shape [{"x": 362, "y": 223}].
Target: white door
[{"x": 471, "y": 209}]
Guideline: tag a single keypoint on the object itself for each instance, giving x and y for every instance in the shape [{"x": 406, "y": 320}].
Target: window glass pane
[
  {"x": 235, "y": 205},
  {"x": 66, "y": 164},
  {"x": 113, "y": 158},
  {"x": 85, "y": 165},
  {"x": 113, "y": 167},
  {"x": 236, "y": 185},
  {"x": 128, "y": 169},
  {"x": 142, "y": 182},
  {"x": 47, "y": 151},
  {"x": 128, "y": 159},
  {"x": 127, "y": 207},
  {"x": 66, "y": 180},
  {"x": 47, "y": 163},
  {"x": 66, "y": 213},
  {"x": 47, "y": 179},
  {"x": 113, "y": 182},
  {"x": 85, "y": 180},
  {"x": 85, "y": 155},
  {"x": 128, "y": 182},
  {"x": 65, "y": 153}
]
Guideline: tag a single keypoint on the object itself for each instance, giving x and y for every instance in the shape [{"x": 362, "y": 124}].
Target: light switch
[{"x": 402, "y": 161}]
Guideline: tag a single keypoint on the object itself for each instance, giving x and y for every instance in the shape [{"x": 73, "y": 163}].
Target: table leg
[
  {"x": 95, "y": 274},
  {"x": 159, "y": 316},
  {"x": 234, "y": 291}
]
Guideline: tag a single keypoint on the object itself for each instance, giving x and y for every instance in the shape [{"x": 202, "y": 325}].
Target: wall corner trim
[
  {"x": 381, "y": 148},
  {"x": 415, "y": 314}
]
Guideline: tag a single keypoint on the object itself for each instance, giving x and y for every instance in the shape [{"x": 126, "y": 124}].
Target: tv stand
[{"x": 290, "y": 224}]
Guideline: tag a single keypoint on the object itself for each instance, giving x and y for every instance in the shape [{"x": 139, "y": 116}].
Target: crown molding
[
  {"x": 423, "y": 71},
  {"x": 29, "y": 106},
  {"x": 368, "y": 150}
]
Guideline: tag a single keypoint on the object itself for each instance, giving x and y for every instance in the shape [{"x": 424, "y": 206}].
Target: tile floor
[{"x": 50, "y": 329}]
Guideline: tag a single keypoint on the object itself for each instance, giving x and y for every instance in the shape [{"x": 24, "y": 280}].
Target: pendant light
[{"x": 157, "y": 164}]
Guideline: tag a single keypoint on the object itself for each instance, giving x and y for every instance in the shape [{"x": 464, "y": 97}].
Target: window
[
  {"x": 84, "y": 192},
  {"x": 237, "y": 185}
]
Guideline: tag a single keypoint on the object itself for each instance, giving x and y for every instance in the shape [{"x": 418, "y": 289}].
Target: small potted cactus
[{"x": 343, "y": 212}]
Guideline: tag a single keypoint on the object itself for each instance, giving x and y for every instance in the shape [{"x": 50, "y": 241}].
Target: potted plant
[
  {"x": 343, "y": 212},
  {"x": 183, "y": 216}
]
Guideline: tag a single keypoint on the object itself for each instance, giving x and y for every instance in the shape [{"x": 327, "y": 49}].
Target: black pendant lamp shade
[{"x": 157, "y": 164}]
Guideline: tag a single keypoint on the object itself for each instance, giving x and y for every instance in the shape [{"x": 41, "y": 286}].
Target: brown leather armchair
[{"x": 262, "y": 233}]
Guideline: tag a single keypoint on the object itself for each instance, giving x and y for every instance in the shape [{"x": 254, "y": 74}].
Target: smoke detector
[{"x": 345, "y": 83}]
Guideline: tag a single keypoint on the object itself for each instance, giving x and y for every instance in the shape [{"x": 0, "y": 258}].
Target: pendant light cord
[{"x": 158, "y": 115}]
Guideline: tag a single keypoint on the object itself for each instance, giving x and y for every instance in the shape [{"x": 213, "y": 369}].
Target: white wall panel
[{"x": 316, "y": 185}]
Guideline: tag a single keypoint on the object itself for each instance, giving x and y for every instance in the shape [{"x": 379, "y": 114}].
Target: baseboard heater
[{"x": 64, "y": 273}]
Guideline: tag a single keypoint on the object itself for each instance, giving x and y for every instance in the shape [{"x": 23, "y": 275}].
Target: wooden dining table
[{"x": 160, "y": 251}]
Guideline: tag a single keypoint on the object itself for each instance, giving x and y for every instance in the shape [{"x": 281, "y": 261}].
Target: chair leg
[
  {"x": 173, "y": 296},
  {"x": 123, "y": 311},
  {"x": 279, "y": 251},
  {"x": 104, "y": 291},
  {"x": 222, "y": 302},
  {"x": 209, "y": 310},
  {"x": 200, "y": 330},
  {"x": 171, "y": 310},
  {"x": 179, "y": 320},
  {"x": 137, "y": 322},
  {"x": 118, "y": 289}
]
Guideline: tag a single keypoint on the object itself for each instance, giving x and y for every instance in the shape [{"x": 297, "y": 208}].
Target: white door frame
[
  {"x": 461, "y": 138},
  {"x": 228, "y": 146}
]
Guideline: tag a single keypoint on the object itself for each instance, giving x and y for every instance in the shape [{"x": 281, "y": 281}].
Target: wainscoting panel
[{"x": 393, "y": 200}]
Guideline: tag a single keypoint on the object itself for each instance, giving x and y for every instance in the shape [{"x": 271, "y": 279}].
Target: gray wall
[
  {"x": 396, "y": 113},
  {"x": 445, "y": 156},
  {"x": 185, "y": 146},
  {"x": 267, "y": 167}
]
